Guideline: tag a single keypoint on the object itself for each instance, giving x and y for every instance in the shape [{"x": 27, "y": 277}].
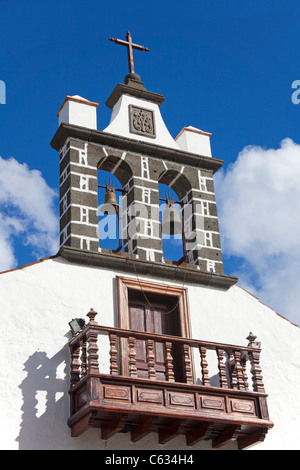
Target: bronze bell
[
  {"x": 171, "y": 223},
  {"x": 110, "y": 201}
]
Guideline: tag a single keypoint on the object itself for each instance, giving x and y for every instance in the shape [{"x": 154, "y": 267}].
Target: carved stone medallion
[{"x": 141, "y": 121}]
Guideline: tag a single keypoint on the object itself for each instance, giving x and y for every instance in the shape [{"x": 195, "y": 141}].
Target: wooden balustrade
[
  {"x": 153, "y": 382},
  {"x": 231, "y": 359}
]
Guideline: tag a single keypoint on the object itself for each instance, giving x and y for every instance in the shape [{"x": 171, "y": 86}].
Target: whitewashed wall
[
  {"x": 119, "y": 122},
  {"x": 38, "y": 301}
]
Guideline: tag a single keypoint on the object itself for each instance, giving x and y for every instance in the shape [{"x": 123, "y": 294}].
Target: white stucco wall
[
  {"x": 119, "y": 122},
  {"x": 79, "y": 111},
  {"x": 194, "y": 140},
  {"x": 38, "y": 301}
]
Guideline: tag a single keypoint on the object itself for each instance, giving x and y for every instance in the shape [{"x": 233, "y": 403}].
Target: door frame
[{"x": 124, "y": 284}]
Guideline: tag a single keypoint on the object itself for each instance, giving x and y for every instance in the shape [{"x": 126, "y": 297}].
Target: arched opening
[
  {"x": 169, "y": 216},
  {"x": 114, "y": 175},
  {"x": 173, "y": 188},
  {"x": 110, "y": 204}
]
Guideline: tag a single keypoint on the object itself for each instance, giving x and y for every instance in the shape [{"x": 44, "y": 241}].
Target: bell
[
  {"x": 110, "y": 202},
  {"x": 171, "y": 223}
]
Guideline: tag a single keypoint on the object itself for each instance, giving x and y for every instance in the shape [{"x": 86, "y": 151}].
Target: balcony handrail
[
  {"x": 84, "y": 356},
  {"x": 124, "y": 333}
]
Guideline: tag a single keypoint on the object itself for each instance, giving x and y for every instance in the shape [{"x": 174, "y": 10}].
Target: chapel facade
[{"x": 128, "y": 349}]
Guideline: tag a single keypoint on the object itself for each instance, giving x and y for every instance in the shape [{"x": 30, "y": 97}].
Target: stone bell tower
[{"x": 138, "y": 149}]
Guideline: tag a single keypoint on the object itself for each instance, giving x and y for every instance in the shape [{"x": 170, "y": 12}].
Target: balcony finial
[
  {"x": 252, "y": 343},
  {"x": 92, "y": 314}
]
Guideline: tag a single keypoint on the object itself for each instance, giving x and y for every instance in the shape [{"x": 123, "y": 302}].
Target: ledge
[
  {"x": 132, "y": 145},
  {"x": 127, "y": 263},
  {"x": 137, "y": 92}
]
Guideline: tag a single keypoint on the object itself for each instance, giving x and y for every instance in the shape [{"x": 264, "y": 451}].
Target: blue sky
[{"x": 224, "y": 67}]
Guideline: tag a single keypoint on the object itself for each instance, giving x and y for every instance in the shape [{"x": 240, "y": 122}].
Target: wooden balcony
[{"x": 124, "y": 400}]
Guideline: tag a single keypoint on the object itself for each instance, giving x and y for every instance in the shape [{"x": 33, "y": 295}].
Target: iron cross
[{"x": 130, "y": 46}]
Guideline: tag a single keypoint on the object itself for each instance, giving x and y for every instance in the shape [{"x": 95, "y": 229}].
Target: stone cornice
[
  {"x": 137, "y": 92},
  {"x": 132, "y": 145},
  {"x": 123, "y": 262}
]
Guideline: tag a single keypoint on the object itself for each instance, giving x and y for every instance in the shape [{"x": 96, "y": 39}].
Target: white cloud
[
  {"x": 259, "y": 211},
  {"x": 7, "y": 258},
  {"x": 27, "y": 211}
]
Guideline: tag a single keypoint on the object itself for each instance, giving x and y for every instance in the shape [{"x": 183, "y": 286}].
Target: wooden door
[{"x": 160, "y": 317}]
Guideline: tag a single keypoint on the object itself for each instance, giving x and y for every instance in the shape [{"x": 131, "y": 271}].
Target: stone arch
[
  {"x": 176, "y": 181},
  {"x": 180, "y": 187},
  {"x": 182, "y": 182},
  {"x": 116, "y": 166}
]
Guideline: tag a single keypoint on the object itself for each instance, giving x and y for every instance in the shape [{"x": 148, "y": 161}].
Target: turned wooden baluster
[
  {"x": 75, "y": 365},
  {"x": 92, "y": 336},
  {"x": 187, "y": 364},
  {"x": 244, "y": 364},
  {"x": 222, "y": 368},
  {"x": 169, "y": 363},
  {"x": 232, "y": 370},
  {"x": 151, "y": 359},
  {"x": 132, "y": 357},
  {"x": 254, "y": 356},
  {"x": 204, "y": 369},
  {"x": 83, "y": 358},
  {"x": 239, "y": 370},
  {"x": 113, "y": 354}
]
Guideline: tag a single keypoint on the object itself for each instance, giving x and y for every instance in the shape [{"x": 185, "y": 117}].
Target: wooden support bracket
[
  {"x": 81, "y": 425},
  {"x": 167, "y": 433},
  {"x": 225, "y": 436},
  {"x": 141, "y": 430},
  {"x": 198, "y": 434},
  {"x": 250, "y": 439},
  {"x": 109, "y": 429}
]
